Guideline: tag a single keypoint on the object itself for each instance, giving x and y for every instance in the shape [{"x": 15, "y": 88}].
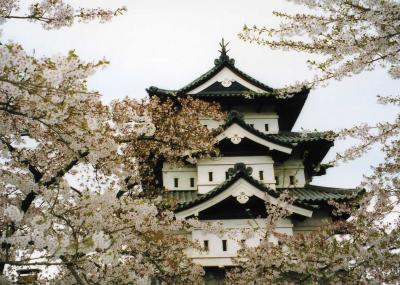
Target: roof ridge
[
  {"x": 333, "y": 189},
  {"x": 313, "y": 132}
]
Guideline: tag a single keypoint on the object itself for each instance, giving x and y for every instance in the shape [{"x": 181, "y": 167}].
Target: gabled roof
[
  {"x": 289, "y": 139},
  {"x": 316, "y": 144},
  {"x": 237, "y": 174},
  {"x": 308, "y": 195},
  {"x": 223, "y": 61},
  {"x": 240, "y": 172},
  {"x": 236, "y": 130}
]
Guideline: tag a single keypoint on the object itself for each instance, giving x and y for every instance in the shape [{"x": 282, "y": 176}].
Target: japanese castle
[{"x": 260, "y": 158}]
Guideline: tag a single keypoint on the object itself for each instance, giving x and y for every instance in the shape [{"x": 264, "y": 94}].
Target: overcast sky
[{"x": 169, "y": 43}]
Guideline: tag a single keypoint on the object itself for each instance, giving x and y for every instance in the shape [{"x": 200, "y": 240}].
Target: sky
[{"x": 169, "y": 43}]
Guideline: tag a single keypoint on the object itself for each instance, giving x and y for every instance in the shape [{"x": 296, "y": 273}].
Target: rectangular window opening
[
  {"x": 205, "y": 245},
  {"x": 277, "y": 180},
  {"x": 176, "y": 182},
  {"x": 266, "y": 127},
  {"x": 261, "y": 174},
  {"x": 291, "y": 178},
  {"x": 191, "y": 182},
  {"x": 226, "y": 175},
  {"x": 210, "y": 176},
  {"x": 224, "y": 245}
]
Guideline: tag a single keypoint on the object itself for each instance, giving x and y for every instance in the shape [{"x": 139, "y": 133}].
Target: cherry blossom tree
[
  {"x": 80, "y": 193},
  {"x": 348, "y": 37},
  {"x": 351, "y": 36}
]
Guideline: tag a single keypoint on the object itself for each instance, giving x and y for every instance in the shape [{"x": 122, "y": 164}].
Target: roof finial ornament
[
  {"x": 224, "y": 54},
  {"x": 223, "y": 46}
]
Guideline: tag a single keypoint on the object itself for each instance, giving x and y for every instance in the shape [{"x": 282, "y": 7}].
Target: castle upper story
[{"x": 234, "y": 89}]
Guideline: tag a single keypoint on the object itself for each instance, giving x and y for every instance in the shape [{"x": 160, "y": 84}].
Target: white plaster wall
[
  {"x": 182, "y": 173},
  {"x": 235, "y": 233},
  {"x": 219, "y": 166},
  {"x": 260, "y": 119},
  {"x": 211, "y": 124},
  {"x": 290, "y": 168}
]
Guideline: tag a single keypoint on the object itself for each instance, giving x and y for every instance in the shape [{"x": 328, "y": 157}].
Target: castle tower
[{"x": 260, "y": 158}]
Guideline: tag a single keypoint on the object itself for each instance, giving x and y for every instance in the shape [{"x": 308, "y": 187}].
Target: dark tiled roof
[
  {"x": 181, "y": 196},
  {"x": 282, "y": 138},
  {"x": 243, "y": 94},
  {"x": 159, "y": 91},
  {"x": 309, "y": 195},
  {"x": 296, "y": 137},
  {"x": 314, "y": 193}
]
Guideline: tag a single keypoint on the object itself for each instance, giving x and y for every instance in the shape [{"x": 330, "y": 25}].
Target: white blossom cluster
[
  {"x": 109, "y": 232},
  {"x": 350, "y": 35},
  {"x": 13, "y": 213},
  {"x": 54, "y": 14}
]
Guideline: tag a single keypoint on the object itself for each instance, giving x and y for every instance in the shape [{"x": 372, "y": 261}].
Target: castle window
[
  {"x": 205, "y": 245},
  {"x": 277, "y": 180},
  {"x": 226, "y": 175},
  {"x": 176, "y": 182},
  {"x": 224, "y": 245},
  {"x": 291, "y": 180},
  {"x": 191, "y": 182},
  {"x": 210, "y": 176},
  {"x": 205, "y": 126},
  {"x": 261, "y": 174},
  {"x": 266, "y": 127}
]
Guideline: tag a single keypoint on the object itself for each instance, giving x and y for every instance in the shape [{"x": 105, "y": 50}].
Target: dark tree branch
[
  {"x": 37, "y": 175},
  {"x": 64, "y": 170},
  {"x": 25, "y": 204},
  {"x": 76, "y": 191}
]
